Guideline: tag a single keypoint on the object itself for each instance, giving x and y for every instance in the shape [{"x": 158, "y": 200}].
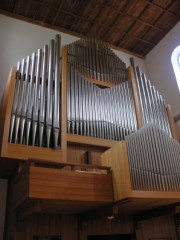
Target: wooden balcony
[{"x": 61, "y": 188}]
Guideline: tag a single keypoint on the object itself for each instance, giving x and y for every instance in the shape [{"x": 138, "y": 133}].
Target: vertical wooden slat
[
  {"x": 117, "y": 158},
  {"x": 171, "y": 122},
  {"x": 137, "y": 105},
  {"x": 6, "y": 107},
  {"x": 64, "y": 105}
]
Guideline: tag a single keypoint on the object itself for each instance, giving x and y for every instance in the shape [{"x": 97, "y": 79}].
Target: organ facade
[{"x": 82, "y": 134}]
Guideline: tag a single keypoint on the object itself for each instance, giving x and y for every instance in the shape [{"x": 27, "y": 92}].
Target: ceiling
[{"x": 135, "y": 26}]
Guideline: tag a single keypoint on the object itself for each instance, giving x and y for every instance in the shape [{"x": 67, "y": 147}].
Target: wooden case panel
[
  {"x": 117, "y": 158},
  {"x": 56, "y": 184}
]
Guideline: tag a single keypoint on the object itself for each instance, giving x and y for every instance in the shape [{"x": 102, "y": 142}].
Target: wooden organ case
[{"x": 84, "y": 134}]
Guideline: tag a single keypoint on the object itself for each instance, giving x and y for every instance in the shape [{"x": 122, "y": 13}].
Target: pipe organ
[
  {"x": 86, "y": 93},
  {"x": 58, "y": 108},
  {"x": 93, "y": 109}
]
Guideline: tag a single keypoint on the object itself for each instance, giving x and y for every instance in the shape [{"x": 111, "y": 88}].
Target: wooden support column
[
  {"x": 5, "y": 116},
  {"x": 171, "y": 122},
  {"x": 137, "y": 105}
]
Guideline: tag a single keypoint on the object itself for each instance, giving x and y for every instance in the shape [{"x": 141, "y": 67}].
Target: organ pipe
[{"x": 35, "y": 117}]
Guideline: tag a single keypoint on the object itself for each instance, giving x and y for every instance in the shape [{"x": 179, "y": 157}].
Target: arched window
[{"x": 175, "y": 59}]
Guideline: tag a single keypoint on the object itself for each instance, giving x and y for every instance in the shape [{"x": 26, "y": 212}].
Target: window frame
[{"x": 175, "y": 60}]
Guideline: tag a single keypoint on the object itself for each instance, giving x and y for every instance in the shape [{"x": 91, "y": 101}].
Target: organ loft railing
[{"x": 86, "y": 97}]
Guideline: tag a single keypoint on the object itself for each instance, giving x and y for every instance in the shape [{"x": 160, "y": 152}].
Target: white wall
[
  {"x": 126, "y": 58},
  {"x": 3, "y": 192},
  {"x": 160, "y": 70}
]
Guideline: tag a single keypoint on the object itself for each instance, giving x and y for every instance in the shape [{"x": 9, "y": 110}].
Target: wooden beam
[
  {"x": 132, "y": 78},
  {"x": 163, "y": 9},
  {"x": 90, "y": 141},
  {"x": 115, "y": 10},
  {"x": 57, "y": 13},
  {"x": 127, "y": 38}
]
